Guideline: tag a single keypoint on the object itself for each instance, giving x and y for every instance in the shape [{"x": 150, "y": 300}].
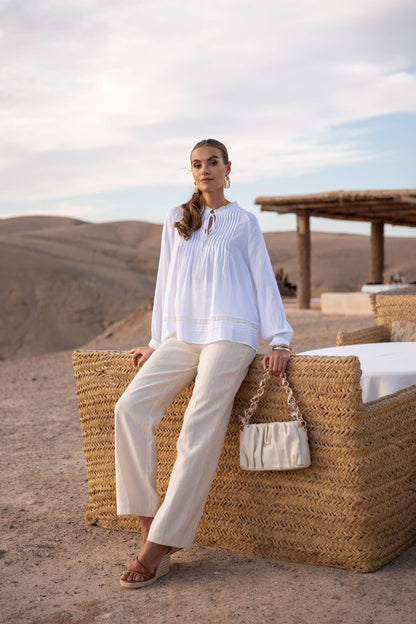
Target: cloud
[{"x": 101, "y": 95}]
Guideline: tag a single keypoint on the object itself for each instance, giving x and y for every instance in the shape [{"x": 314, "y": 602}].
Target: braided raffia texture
[
  {"x": 387, "y": 308},
  {"x": 376, "y": 333},
  {"x": 354, "y": 508},
  {"x": 101, "y": 377},
  {"x": 395, "y": 308}
]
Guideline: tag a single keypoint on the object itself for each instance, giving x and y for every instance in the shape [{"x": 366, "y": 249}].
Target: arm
[
  {"x": 162, "y": 275},
  {"x": 141, "y": 354},
  {"x": 273, "y": 324}
]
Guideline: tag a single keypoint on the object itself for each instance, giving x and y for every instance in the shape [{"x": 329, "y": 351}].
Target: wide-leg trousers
[{"x": 219, "y": 369}]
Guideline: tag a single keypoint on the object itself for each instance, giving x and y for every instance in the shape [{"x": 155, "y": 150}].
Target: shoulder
[
  {"x": 248, "y": 219},
  {"x": 174, "y": 214},
  {"x": 244, "y": 215}
]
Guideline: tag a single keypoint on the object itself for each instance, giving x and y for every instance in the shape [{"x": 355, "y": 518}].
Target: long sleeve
[
  {"x": 274, "y": 327},
  {"x": 161, "y": 281}
]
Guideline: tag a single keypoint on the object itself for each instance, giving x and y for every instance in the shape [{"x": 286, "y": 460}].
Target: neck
[{"x": 215, "y": 200}]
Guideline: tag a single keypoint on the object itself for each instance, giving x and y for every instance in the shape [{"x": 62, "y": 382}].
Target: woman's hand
[
  {"x": 276, "y": 361},
  {"x": 141, "y": 352}
]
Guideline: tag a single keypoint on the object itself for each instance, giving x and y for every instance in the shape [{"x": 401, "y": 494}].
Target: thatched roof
[{"x": 397, "y": 207}]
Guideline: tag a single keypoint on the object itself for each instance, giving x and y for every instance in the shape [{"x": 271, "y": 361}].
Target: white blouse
[{"x": 219, "y": 284}]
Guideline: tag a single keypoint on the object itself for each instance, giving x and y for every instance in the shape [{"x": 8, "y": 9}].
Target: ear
[{"x": 228, "y": 169}]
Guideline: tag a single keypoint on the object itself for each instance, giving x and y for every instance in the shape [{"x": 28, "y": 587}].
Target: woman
[{"x": 215, "y": 291}]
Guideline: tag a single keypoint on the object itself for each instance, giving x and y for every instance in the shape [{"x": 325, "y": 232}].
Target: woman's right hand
[{"x": 140, "y": 355}]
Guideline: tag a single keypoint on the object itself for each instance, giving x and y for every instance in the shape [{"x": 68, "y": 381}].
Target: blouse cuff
[
  {"x": 279, "y": 341},
  {"x": 154, "y": 344}
]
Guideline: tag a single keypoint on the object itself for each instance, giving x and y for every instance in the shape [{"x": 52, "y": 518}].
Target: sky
[{"x": 102, "y": 101}]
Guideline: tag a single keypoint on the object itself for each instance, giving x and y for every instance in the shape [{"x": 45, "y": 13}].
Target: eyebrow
[{"x": 195, "y": 160}]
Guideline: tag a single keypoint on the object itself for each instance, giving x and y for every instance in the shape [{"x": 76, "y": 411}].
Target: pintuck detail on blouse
[{"x": 219, "y": 284}]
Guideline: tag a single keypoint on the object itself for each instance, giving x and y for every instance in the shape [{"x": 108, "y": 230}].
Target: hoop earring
[
  {"x": 227, "y": 182},
  {"x": 196, "y": 189}
]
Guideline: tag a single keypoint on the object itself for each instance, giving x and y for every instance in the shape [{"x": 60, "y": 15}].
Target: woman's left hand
[{"x": 276, "y": 361}]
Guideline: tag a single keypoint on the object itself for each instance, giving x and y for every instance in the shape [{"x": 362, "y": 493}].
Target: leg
[
  {"x": 221, "y": 370},
  {"x": 145, "y": 524},
  {"x": 138, "y": 412}
]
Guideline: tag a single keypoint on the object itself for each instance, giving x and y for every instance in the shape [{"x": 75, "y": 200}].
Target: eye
[
  {"x": 214, "y": 162},
  {"x": 196, "y": 166}
]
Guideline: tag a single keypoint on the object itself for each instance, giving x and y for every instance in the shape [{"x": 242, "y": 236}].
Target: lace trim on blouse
[{"x": 208, "y": 321}]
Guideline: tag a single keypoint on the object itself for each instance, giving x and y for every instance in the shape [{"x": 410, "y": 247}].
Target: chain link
[{"x": 294, "y": 408}]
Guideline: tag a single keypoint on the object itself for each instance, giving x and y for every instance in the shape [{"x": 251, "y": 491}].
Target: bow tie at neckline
[{"x": 212, "y": 219}]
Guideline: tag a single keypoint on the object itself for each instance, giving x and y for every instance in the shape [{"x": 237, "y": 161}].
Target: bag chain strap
[{"x": 294, "y": 408}]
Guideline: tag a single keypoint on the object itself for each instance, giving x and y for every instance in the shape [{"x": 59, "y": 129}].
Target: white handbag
[{"x": 276, "y": 445}]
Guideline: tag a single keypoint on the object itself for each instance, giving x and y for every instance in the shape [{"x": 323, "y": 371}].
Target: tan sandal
[
  {"x": 174, "y": 549},
  {"x": 150, "y": 577}
]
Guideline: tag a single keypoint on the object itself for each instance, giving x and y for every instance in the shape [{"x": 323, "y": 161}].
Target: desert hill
[{"x": 64, "y": 281}]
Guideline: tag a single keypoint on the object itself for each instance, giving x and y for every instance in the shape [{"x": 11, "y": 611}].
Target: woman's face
[{"x": 208, "y": 168}]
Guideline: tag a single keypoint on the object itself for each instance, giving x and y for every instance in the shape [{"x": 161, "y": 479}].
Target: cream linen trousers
[{"x": 219, "y": 369}]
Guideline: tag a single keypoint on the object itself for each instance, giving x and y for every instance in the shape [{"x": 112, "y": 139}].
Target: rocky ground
[{"x": 58, "y": 570}]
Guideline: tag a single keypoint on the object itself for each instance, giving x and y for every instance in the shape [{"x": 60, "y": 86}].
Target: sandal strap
[{"x": 143, "y": 571}]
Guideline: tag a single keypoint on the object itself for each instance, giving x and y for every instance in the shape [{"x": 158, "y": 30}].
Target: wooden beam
[
  {"x": 393, "y": 215},
  {"x": 377, "y": 252},
  {"x": 304, "y": 262},
  {"x": 396, "y": 196}
]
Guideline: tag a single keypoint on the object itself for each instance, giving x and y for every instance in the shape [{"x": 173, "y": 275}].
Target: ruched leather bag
[{"x": 276, "y": 445}]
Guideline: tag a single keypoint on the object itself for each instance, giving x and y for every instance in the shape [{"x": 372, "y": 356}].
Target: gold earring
[
  {"x": 196, "y": 189},
  {"x": 227, "y": 182}
]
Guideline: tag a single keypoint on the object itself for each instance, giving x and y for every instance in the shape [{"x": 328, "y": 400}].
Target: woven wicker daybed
[
  {"x": 387, "y": 308},
  {"x": 354, "y": 508}
]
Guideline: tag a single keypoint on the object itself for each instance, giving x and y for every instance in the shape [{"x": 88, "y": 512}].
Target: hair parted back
[{"x": 193, "y": 209}]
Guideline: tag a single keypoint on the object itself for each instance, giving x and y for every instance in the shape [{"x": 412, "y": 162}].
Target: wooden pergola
[{"x": 397, "y": 207}]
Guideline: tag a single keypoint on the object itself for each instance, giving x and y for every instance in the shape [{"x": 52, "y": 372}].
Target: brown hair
[{"x": 193, "y": 209}]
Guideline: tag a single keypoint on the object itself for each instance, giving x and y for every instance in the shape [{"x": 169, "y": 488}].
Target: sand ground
[{"x": 58, "y": 570}]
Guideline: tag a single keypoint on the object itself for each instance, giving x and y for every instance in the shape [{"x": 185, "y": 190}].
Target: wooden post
[
  {"x": 377, "y": 252},
  {"x": 304, "y": 262}
]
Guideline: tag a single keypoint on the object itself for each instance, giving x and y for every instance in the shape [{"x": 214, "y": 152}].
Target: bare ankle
[
  {"x": 151, "y": 554},
  {"x": 145, "y": 524}
]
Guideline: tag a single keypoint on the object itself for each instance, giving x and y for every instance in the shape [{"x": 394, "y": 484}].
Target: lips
[{"x": 206, "y": 180}]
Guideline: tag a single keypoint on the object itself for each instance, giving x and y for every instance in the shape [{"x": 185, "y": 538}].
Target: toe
[
  {"x": 132, "y": 576},
  {"x": 138, "y": 578}
]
